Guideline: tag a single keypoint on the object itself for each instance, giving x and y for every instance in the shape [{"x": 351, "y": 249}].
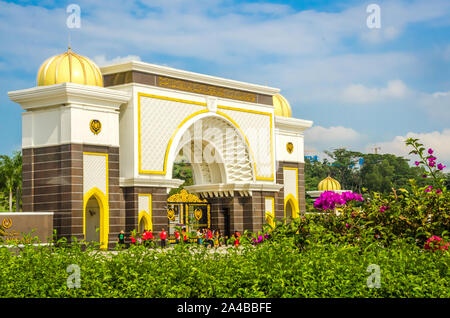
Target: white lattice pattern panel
[
  {"x": 158, "y": 121},
  {"x": 290, "y": 182},
  {"x": 94, "y": 173},
  {"x": 269, "y": 205},
  {"x": 230, "y": 145},
  {"x": 144, "y": 203},
  {"x": 257, "y": 129}
]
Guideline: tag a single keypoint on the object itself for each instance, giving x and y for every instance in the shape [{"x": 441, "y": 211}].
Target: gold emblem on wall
[
  {"x": 290, "y": 147},
  {"x": 198, "y": 214},
  {"x": 96, "y": 126},
  {"x": 171, "y": 214},
  {"x": 7, "y": 223}
]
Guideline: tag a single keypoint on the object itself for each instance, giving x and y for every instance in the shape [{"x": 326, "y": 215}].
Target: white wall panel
[
  {"x": 290, "y": 182},
  {"x": 95, "y": 172}
]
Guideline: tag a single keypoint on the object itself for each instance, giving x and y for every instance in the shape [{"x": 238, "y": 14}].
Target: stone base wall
[
  {"x": 159, "y": 207},
  {"x": 32, "y": 224}
]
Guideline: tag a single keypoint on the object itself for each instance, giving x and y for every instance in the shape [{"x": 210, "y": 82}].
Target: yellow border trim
[
  {"x": 147, "y": 221},
  {"x": 272, "y": 214},
  {"x": 290, "y": 196},
  {"x": 164, "y": 171},
  {"x": 290, "y": 199},
  {"x": 149, "y": 212},
  {"x": 103, "y": 201}
]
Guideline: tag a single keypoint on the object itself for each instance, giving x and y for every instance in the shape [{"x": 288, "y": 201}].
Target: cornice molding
[
  {"x": 289, "y": 124},
  {"x": 186, "y": 75},
  {"x": 150, "y": 182},
  {"x": 68, "y": 93},
  {"x": 221, "y": 189}
]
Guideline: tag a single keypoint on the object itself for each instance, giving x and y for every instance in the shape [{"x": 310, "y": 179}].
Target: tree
[
  {"x": 379, "y": 172},
  {"x": 344, "y": 168},
  {"x": 11, "y": 176},
  {"x": 182, "y": 170}
]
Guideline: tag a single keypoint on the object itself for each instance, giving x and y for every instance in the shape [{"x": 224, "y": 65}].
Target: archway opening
[
  {"x": 289, "y": 210},
  {"x": 144, "y": 222},
  {"x": 92, "y": 225}
]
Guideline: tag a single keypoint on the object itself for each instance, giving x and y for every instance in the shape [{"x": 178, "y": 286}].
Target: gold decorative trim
[
  {"x": 171, "y": 214},
  {"x": 184, "y": 196},
  {"x": 206, "y": 89},
  {"x": 198, "y": 214}
]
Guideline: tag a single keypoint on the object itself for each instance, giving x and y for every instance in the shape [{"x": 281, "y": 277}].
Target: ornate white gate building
[{"x": 100, "y": 144}]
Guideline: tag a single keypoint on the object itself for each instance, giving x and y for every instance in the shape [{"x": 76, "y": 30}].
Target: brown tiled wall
[
  {"x": 246, "y": 213},
  {"x": 53, "y": 181},
  {"x": 279, "y": 201},
  {"x": 159, "y": 207}
]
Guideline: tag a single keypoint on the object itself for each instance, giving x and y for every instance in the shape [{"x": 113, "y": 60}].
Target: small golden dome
[
  {"x": 69, "y": 67},
  {"x": 281, "y": 105},
  {"x": 329, "y": 184}
]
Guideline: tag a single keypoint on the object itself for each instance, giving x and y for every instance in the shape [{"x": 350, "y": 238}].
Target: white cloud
[
  {"x": 358, "y": 93},
  {"x": 438, "y": 141},
  {"x": 437, "y": 105},
  {"x": 332, "y": 134},
  {"x": 102, "y": 61},
  {"x": 318, "y": 139}
]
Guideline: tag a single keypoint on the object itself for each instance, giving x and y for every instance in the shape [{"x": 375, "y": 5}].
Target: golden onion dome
[
  {"x": 69, "y": 67},
  {"x": 329, "y": 184},
  {"x": 281, "y": 105}
]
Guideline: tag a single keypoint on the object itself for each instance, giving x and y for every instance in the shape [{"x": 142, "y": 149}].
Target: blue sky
[{"x": 362, "y": 87}]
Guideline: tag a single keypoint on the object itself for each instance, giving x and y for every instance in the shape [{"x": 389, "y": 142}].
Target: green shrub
[{"x": 276, "y": 268}]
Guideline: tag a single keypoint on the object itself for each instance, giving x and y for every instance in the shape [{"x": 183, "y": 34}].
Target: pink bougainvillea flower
[
  {"x": 436, "y": 243},
  {"x": 438, "y": 191},
  {"x": 441, "y": 166},
  {"x": 429, "y": 189},
  {"x": 417, "y": 163},
  {"x": 347, "y": 225},
  {"x": 383, "y": 208},
  {"x": 430, "y": 151}
]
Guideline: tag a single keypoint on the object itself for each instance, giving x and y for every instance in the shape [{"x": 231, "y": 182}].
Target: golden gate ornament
[
  {"x": 96, "y": 126},
  {"x": 290, "y": 147}
]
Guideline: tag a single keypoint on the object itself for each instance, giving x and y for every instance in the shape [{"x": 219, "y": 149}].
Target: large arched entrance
[{"x": 221, "y": 163}]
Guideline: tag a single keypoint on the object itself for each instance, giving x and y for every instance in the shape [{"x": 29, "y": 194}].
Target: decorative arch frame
[
  {"x": 104, "y": 214},
  {"x": 143, "y": 215},
  {"x": 292, "y": 201},
  {"x": 187, "y": 123}
]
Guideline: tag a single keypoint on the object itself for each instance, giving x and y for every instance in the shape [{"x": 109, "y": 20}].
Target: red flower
[
  {"x": 133, "y": 240},
  {"x": 436, "y": 243}
]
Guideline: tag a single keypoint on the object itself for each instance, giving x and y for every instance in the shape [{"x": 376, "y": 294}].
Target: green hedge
[{"x": 271, "y": 269}]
